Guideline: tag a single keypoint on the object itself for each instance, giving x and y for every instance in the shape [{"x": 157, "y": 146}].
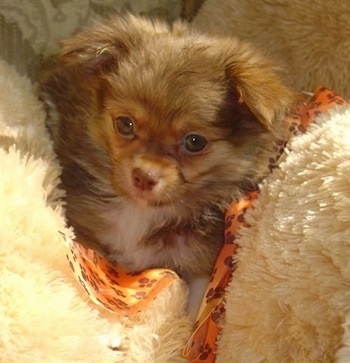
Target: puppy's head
[{"x": 164, "y": 116}]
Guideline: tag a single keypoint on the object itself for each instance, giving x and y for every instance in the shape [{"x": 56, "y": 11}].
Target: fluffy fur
[
  {"x": 289, "y": 298},
  {"x": 37, "y": 288},
  {"x": 158, "y": 129}
]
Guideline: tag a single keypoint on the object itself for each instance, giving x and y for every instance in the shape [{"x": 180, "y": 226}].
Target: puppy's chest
[{"x": 135, "y": 233}]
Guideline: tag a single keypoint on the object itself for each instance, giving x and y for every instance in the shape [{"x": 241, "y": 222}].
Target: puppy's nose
[{"x": 144, "y": 180}]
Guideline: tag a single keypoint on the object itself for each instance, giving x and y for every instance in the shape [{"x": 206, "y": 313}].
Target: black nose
[{"x": 144, "y": 180}]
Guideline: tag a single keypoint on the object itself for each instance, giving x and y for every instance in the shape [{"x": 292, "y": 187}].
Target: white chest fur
[{"x": 128, "y": 225}]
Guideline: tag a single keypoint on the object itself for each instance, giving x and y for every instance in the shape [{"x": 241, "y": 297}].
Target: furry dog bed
[{"x": 289, "y": 298}]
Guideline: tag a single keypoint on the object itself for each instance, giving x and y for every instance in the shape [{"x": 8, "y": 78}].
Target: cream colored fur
[
  {"x": 310, "y": 39},
  {"x": 290, "y": 295}
]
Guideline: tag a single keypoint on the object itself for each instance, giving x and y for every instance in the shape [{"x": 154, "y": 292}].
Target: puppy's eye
[
  {"x": 124, "y": 126},
  {"x": 194, "y": 143}
]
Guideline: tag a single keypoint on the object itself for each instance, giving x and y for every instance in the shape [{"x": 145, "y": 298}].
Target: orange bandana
[
  {"x": 113, "y": 287},
  {"x": 128, "y": 293}
]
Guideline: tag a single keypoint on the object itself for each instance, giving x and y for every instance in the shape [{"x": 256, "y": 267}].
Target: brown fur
[{"x": 172, "y": 82}]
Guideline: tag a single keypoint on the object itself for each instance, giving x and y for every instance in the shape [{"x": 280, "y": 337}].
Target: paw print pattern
[
  {"x": 229, "y": 219},
  {"x": 278, "y": 149},
  {"x": 113, "y": 287},
  {"x": 214, "y": 293},
  {"x": 218, "y": 314},
  {"x": 235, "y": 217},
  {"x": 146, "y": 282},
  {"x": 206, "y": 351}
]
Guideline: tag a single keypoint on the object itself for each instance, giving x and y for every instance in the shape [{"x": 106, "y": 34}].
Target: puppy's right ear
[
  {"x": 93, "y": 60},
  {"x": 98, "y": 49}
]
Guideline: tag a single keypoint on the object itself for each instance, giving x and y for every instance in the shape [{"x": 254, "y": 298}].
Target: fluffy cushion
[
  {"x": 289, "y": 297},
  {"x": 43, "y": 317}
]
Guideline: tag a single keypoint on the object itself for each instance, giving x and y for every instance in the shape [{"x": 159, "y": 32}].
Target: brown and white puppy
[{"x": 158, "y": 129}]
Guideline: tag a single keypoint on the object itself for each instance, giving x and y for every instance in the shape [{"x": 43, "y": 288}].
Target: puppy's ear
[
  {"x": 100, "y": 47},
  {"x": 91, "y": 59},
  {"x": 258, "y": 87}
]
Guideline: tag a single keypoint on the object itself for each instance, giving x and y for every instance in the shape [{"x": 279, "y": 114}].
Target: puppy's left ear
[{"x": 258, "y": 86}]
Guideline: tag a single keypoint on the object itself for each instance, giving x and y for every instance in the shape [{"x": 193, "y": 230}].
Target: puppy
[{"x": 158, "y": 129}]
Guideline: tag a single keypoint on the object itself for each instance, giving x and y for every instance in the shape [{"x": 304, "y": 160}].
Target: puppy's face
[
  {"x": 163, "y": 117},
  {"x": 172, "y": 147}
]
